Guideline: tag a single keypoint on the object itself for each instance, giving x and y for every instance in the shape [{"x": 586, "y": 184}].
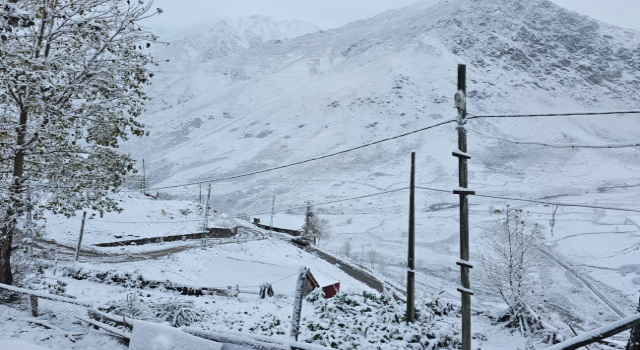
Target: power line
[
  {"x": 263, "y": 213},
  {"x": 560, "y": 145},
  {"x": 393, "y": 138},
  {"x": 304, "y": 161},
  {"x": 561, "y": 204},
  {"x": 476, "y": 116}
]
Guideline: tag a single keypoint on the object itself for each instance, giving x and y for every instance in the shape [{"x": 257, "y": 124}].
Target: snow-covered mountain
[
  {"x": 195, "y": 45},
  {"x": 189, "y": 48},
  {"x": 285, "y": 101}
]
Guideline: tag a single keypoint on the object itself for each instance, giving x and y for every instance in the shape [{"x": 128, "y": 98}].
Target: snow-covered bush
[
  {"x": 244, "y": 217},
  {"x": 132, "y": 306},
  {"x": 178, "y": 312},
  {"x": 371, "y": 321}
]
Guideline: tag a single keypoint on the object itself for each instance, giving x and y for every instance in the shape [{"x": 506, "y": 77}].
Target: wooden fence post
[
  {"x": 297, "y": 304},
  {"x": 34, "y": 305},
  {"x": 84, "y": 217}
]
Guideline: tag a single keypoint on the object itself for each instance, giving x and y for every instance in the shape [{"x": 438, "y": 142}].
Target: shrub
[{"x": 178, "y": 312}]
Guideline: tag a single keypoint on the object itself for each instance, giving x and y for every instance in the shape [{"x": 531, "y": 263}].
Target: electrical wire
[
  {"x": 306, "y": 160},
  {"x": 559, "y": 145},
  {"x": 280, "y": 280},
  {"x": 569, "y": 114},
  {"x": 263, "y": 213},
  {"x": 560, "y": 204}
]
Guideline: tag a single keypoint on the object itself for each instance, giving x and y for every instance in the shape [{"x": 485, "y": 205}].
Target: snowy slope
[{"x": 282, "y": 102}]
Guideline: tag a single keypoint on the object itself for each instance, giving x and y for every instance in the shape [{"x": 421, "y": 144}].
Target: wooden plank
[
  {"x": 106, "y": 327},
  {"x": 43, "y": 295},
  {"x": 598, "y": 334},
  {"x": 460, "y": 154}
]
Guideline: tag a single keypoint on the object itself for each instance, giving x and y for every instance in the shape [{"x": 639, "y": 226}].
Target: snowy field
[
  {"x": 142, "y": 217},
  {"x": 219, "y": 115}
]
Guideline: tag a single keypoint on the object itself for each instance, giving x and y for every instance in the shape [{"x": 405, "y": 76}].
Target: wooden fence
[
  {"x": 295, "y": 233},
  {"x": 213, "y": 233},
  {"x": 598, "y": 334}
]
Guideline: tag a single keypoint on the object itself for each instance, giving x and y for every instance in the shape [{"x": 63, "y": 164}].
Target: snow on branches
[{"x": 71, "y": 85}]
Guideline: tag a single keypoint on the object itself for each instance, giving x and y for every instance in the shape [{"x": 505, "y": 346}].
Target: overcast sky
[{"x": 334, "y": 13}]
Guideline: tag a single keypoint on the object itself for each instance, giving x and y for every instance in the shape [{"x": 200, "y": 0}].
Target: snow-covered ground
[
  {"x": 286, "y": 221},
  {"x": 142, "y": 217},
  {"x": 283, "y": 102}
]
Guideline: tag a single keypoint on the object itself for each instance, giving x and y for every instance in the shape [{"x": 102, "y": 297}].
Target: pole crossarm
[{"x": 598, "y": 334}]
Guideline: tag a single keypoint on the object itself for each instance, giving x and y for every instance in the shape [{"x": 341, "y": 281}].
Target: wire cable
[
  {"x": 560, "y": 204},
  {"x": 569, "y": 114},
  {"x": 306, "y": 160},
  {"x": 559, "y": 145},
  {"x": 263, "y": 213}
]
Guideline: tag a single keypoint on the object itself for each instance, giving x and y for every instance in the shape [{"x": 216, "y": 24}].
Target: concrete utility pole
[
  {"x": 412, "y": 244},
  {"x": 273, "y": 211},
  {"x": 463, "y": 192},
  {"x": 206, "y": 219},
  {"x": 84, "y": 217}
]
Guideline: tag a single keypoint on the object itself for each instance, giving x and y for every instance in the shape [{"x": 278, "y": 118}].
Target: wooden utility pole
[
  {"x": 412, "y": 244},
  {"x": 205, "y": 229},
  {"x": 463, "y": 192},
  {"x": 144, "y": 178},
  {"x": 273, "y": 211},
  {"x": 84, "y": 217},
  {"x": 200, "y": 201}
]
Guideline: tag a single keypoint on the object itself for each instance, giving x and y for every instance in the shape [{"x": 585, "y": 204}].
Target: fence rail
[
  {"x": 48, "y": 308},
  {"x": 75, "y": 317},
  {"x": 598, "y": 334}
]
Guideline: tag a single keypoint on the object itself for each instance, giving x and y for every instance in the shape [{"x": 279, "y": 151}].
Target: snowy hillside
[{"x": 286, "y": 101}]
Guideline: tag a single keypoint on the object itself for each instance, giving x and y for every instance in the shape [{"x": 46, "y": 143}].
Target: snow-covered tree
[
  {"x": 315, "y": 227},
  {"x": 509, "y": 268},
  {"x": 374, "y": 258},
  {"x": 72, "y": 74},
  {"x": 345, "y": 249}
]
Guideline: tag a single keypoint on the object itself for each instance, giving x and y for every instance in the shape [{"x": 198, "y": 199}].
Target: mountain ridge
[{"x": 280, "y": 102}]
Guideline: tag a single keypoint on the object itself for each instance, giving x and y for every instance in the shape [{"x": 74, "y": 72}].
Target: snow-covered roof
[{"x": 289, "y": 222}]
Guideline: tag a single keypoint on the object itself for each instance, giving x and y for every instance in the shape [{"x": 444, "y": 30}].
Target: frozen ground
[
  {"x": 288, "y": 101},
  {"x": 18, "y": 334},
  {"x": 290, "y": 222},
  {"x": 141, "y": 217}
]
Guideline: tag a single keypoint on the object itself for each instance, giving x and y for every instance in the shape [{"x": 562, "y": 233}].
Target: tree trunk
[
  {"x": 9, "y": 222},
  {"x": 6, "y": 277},
  {"x": 634, "y": 339}
]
